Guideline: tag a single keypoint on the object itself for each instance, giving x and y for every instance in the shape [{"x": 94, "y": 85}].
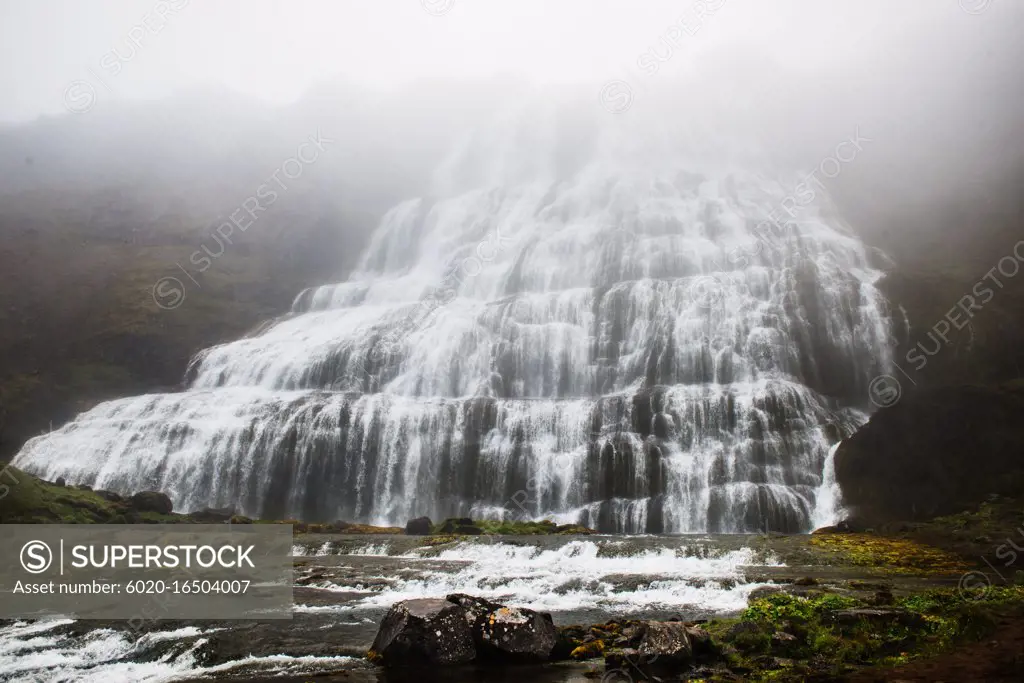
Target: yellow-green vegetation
[
  {"x": 587, "y": 642},
  {"x": 787, "y": 637},
  {"x": 894, "y": 554},
  {"x": 595, "y": 648}
]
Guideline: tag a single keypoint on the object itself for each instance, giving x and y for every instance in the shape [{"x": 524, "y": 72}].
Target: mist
[{"x": 188, "y": 96}]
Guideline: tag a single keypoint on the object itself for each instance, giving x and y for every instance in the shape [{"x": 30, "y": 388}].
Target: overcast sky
[{"x": 141, "y": 49}]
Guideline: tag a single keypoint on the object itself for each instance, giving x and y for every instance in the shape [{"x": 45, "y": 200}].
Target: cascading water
[{"x": 616, "y": 344}]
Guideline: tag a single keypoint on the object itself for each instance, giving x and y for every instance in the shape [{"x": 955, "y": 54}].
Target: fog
[{"x": 206, "y": 98}]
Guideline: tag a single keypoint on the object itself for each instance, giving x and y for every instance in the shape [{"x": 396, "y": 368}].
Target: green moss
[
  {"x": 788, "y": 637},
  {"x": 780, "y": 607},
  {"x": 894, "y": 554},
  {"x": 29, "y": 500}
]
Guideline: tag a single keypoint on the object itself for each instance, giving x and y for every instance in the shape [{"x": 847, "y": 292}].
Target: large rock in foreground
[
  {"x": 659, "y": 648},
  {"x": 423, "y": 632},
  {"x": 420, "y": 526},
  {"x": 152, "y": 501},
  {"x": 508, "y": 634},
  {"x": 461, "y": 629}
]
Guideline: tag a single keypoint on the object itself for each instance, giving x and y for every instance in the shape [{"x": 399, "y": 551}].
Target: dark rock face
[
  {"x": 60, "y": 482},
  {"x": 427, "y": 631},
  {"x": 935, "y": 452},
  {"x": 151, "y": 501},
  {"x": 110, "y": 495},
  {"x": 508, "y": 634},
  {"x": 421, "y": 526}
]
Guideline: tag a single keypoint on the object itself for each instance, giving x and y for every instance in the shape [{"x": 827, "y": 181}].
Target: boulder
[
  {"x": 508, "y": 634},
  {"x": 151, "y": 501},
  {"x": 668, "y": 640},
  {"x": 764, "y": 592},
  {"x": 60, "y": 482},
  {"x": 784, "y": 642},
  {"x": 423, "y": 632},
  {"x": 657, "y": 648},
  {"x": 421, "y": 526}
]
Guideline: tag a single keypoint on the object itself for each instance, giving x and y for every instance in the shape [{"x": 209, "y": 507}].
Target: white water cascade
[{"x": 613, "y": 339}]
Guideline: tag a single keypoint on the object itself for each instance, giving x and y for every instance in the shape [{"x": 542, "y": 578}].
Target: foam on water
[
  {"x": 578, "y": 575},
  {"x": 29, "y": 652}
]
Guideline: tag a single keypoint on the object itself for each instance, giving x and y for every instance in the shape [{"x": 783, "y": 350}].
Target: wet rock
[
  {"x": 668, "y": 640},
  {"x": 241, "y": 519},
  {"x": 507, "y": 634},
  {"x": 700, "y": 641},
  {"x": 426, "y": 631},
  {"x": 763, "y": 592},
  {"x": 421, "y": 526},
  {"x": 60, "y": 482},
  {"x": 784, "y": 642},
  {"x": 212, "y": 515},
  {"x": 569, "y": 638},
  {"x": 806, "y": 581},
  {"x": 661, "y": 647},
  {"x": 151, "y": 501},
  {"x": 476, "y": 608}
]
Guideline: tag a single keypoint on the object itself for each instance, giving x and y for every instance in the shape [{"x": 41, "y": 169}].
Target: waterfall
[
  {"x": 611, "y": 340},
  {"x": 828, "y": 507}
]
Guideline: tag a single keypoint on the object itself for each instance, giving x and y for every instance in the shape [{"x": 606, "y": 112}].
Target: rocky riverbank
[{"x": 825, "y": 634}]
